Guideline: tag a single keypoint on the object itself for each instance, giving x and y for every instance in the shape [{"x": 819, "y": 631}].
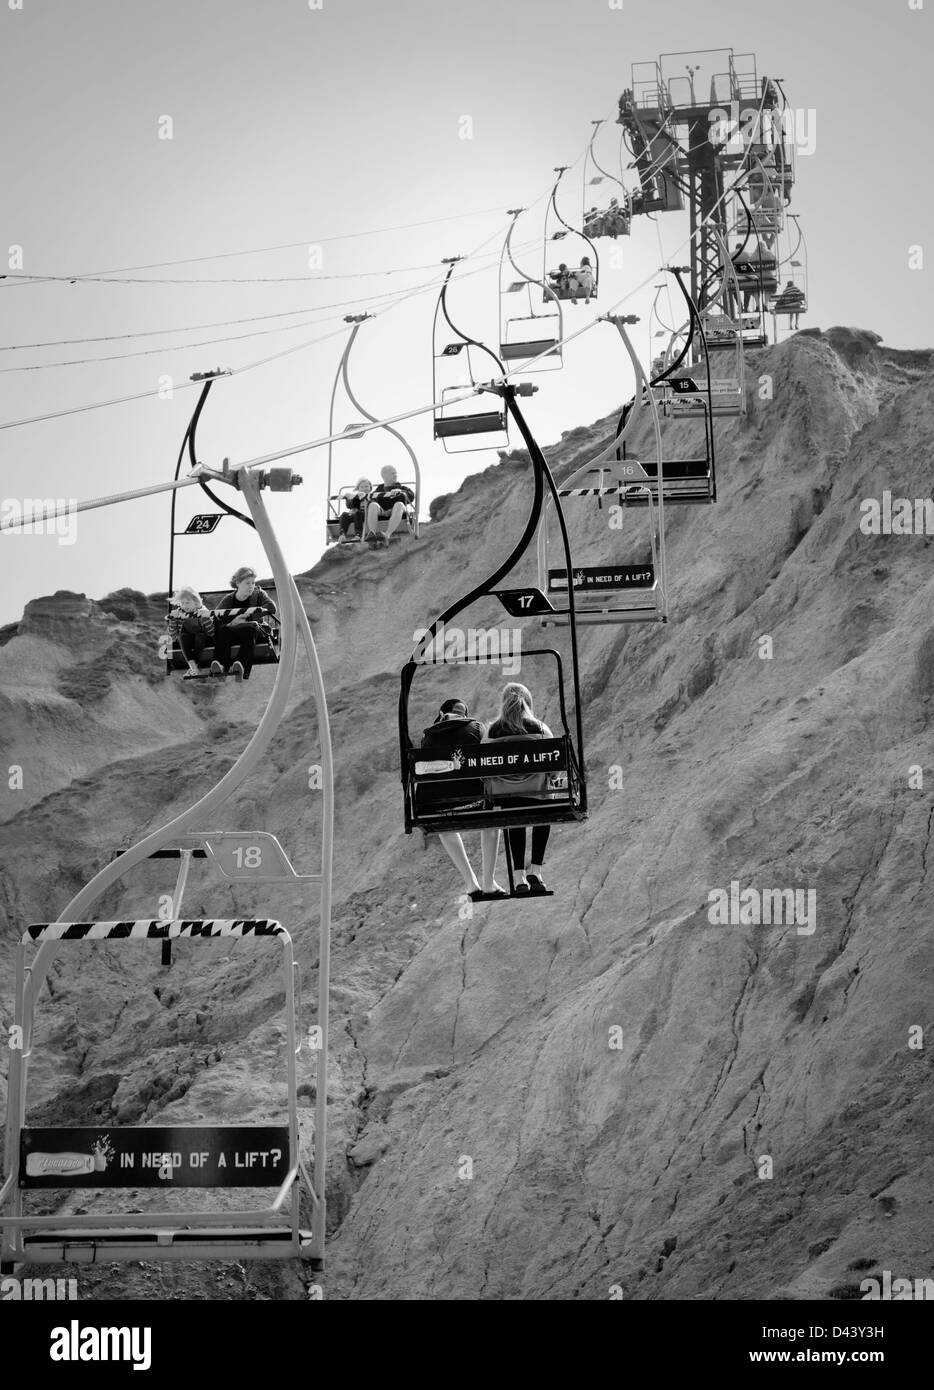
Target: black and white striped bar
[{"x": 154, "y": 930}]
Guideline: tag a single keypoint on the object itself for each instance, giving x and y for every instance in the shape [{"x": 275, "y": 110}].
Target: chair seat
[
  {"x": 510, "y": 352},
  {"x": 498, "y": 817},
  {"x": 486, "y": 422}
]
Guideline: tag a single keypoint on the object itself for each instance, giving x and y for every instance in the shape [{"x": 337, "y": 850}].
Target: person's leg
[
  {"x": 489, "y": 851},
  {"x": 539, "y": 843},
  {"x": 395, "y": 518},
  {"x": 540, "y": 835},
  {"x": 246, "y": 635},
  {"x": 222, "y": 637},
  {"x": 191, "y": 646},
  {"x": 372, "y": 520},
  {"x": 454, "y": 848},
  {"x": 517, "y": 850}
]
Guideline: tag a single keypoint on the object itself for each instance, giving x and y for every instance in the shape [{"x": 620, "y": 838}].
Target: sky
[{"x": 300, "y": 127}]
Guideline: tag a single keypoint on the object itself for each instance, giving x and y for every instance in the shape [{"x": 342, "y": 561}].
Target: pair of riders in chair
[
  {"x": 229, "y": 625},
  {"x": 365, "y": 507},
  {"x": 454, "y": 727}
]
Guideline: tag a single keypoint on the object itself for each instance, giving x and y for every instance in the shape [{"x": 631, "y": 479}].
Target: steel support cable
[
  {"x": 152, "y": 490},
  {"x": 398, "y": 296},
  {"x": 317, "y": 444},
  {"x": 263, "y": 250},
  {"x": 393, "y": 296}
]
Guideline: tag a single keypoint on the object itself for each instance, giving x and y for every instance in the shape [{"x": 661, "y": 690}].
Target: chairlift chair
[
  {"x": 462, "y": 418},
  {"x": 464, "y": 788},
  {"x": 557, "y": 230},
  {"x": 358, "y": 430},
  {"x": 526, "y": 337}
]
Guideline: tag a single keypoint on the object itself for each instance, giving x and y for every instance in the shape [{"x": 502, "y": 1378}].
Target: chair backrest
[{"x": 518, "y": 783}]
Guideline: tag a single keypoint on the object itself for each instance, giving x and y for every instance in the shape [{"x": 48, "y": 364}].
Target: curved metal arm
[
  {"x": 605, "y": 172},
  {"x": 561, "y": 171},
  {"x": 442, "y": 307},
  {"x": 343, "y": 375},
  {"x": 188, "y": 443}
]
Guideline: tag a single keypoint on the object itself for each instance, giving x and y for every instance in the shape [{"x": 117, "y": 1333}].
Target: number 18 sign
[{"x": 249, "y": 854}]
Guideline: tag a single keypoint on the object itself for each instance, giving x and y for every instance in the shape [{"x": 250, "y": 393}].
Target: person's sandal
[
  {"x": 535, "y": 884},
  {"x": 523, "y": 888}
]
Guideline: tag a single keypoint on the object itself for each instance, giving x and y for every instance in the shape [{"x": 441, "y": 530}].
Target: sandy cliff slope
[{"x": 554, "y": 1099}]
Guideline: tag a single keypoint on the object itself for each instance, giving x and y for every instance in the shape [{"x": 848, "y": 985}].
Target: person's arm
[
  {"x": 174, "y": 622},
  {"x": 206, "y": 620},
  {"x": 267, "y": 603}
]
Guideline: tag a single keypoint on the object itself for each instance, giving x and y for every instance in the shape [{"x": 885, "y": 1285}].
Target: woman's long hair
[{"x": 516, "y": 709}]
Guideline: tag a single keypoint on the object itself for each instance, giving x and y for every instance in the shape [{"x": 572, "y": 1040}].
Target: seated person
[
  {"x": 594, "y": 223},
  {"x": 560, "y": 281},
  {"x": 452, "y": 728},
  {"x": 617, "y": 220},
  {"x": 192, "y": 624},
  {"x": 790, "y": 302},
  {"x": 748, "y": 280},
  {"x": 237, "y": 630},
  {"x": 581, "y": 281},
  {"x": 516, "y": 721},
  {"x": 352, "y": 515},
  {"x": 389, "y": 501}
]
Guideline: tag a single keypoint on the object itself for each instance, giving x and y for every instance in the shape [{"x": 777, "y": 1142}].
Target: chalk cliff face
[{"x": 601, "y": 1093}]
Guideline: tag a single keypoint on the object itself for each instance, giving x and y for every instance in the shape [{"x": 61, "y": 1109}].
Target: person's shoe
[
  {"x": 535, "y": 884},
  {"x": 236, "y": 671},
  {"x": 190, "y": 675},
  {"x": 523, "y": 887},
  {"x": 217, "y": 669}
]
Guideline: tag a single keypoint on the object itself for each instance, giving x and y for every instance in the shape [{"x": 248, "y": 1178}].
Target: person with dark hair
[
  {"x": 452, "y": 728},
  {"x": 517, "y": 721},
  {"x": 560, "y": 285},
  {"x": 238, "y": 630}
]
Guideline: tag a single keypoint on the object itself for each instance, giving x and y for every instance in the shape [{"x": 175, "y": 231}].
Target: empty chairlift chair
[{"x": 463, "y": 418}]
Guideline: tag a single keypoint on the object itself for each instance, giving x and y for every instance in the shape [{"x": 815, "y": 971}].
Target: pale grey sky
[{"x": 293, "y": 125}]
